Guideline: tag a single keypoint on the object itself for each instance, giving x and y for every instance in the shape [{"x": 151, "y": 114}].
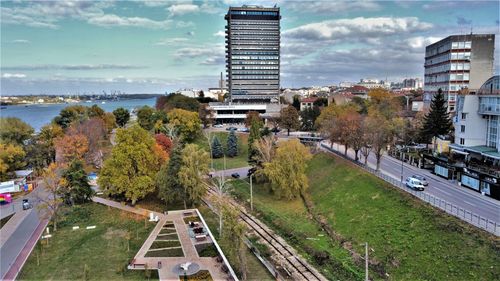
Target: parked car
[
  {"x": 26, "y": 204},
  {"x": 275, "y": 130},
  {"x": 231, "y": 129},
  {"x": 414, "y": 184},
  {"x": 235, "y": 175},
  {"x": 421, "y": 178},
  {"x": 218, "y": 126},
  {"x": 244, "y": 130}
]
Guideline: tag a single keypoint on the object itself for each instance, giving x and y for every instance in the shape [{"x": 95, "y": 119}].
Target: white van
[{"x": 414, "y": 183}]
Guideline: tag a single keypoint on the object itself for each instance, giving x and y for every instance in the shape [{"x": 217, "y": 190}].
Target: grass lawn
[
  {"x": 291, "y": 221},
  {"x": 411, "y": 240},
  {"x": 256, "y": 270},
  {"x": 102, "y": 250},
  {"x": 176, "y": 252},
  {"x": 157, "y": 244},
  {"x": 5, "y": 220},
  {"x": 241, "y": 160}
]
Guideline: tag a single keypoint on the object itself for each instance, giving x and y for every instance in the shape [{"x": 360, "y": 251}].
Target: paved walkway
[{"x": 166, "y": 270}]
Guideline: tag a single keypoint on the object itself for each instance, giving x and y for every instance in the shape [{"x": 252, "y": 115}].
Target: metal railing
[{"x": 465, "y": 215}]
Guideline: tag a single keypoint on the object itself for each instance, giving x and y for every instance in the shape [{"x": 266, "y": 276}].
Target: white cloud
[
  {"x": 211, "y": 54},
  {"x": 115, "y": 20},
  {"x": 70, "y": 67},
  {"x": 182, "y": 9},
  {"x": 171, "y": 41},
  {"x": 328, "y": 7},
  {"x": 13, "y": 75},
  {"x": 359, "y": 27},
  {"x": 219, "y": 33},
  {"x": 21, "y": 41},
  {"x": 419, "y": 42}
]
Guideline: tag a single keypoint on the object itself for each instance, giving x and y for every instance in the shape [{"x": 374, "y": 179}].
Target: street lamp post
[{"x": 251, "y": 193}]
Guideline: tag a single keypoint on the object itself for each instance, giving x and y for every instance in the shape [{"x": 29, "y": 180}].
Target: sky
[{"x": 85, "y": 47}]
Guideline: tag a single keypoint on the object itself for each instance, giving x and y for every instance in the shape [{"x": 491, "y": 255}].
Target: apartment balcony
[{"x": 489, "y": 109}]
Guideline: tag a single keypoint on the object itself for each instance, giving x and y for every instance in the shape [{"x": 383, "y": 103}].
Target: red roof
[{"x": 313, "y": 99}]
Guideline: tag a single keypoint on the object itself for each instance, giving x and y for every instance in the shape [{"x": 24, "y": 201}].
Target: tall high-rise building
[
  {"x": 458, "y": 62},
  {"x": 253, "y": 53}
]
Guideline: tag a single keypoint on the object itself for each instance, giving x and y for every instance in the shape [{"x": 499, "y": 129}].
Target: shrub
[{"x": 232, "y": 145}]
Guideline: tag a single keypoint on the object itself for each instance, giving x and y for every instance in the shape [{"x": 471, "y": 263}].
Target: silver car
[
  {"x": 421, "y": 178},
  {"x": 414, "y": 184}
]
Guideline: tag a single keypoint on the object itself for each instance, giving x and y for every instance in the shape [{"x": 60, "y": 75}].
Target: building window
[
  {"x": 464, "y": 116},
  {"x": 462, "y": 141},
  {"x": 462, "y": 129}
]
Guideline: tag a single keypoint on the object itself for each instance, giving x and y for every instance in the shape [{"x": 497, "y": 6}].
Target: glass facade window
[
  {"x": 492, "y": 132},
  {"x": 470, "y": 182},
  {"x": 489, "y": 104},
  {"x": 440, "y": 170}
]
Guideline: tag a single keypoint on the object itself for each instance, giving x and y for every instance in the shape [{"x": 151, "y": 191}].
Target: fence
[{"x": 465, "y": 215}]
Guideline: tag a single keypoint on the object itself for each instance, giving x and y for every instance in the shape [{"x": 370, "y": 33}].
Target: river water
[{"x": 38, "y": 115}]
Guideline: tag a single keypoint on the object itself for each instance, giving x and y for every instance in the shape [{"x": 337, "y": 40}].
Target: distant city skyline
[{"x": 160, "y": 46}]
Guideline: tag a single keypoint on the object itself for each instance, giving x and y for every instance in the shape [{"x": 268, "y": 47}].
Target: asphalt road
[
  {"x": 16, "y": 204},
  {"x": 23, "y": 232},
  {"x": 227, "y": 173},
  {"x": 445, "y": 189}
]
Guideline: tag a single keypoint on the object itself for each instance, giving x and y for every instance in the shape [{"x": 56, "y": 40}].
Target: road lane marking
[{"x": 470, "y": 203}]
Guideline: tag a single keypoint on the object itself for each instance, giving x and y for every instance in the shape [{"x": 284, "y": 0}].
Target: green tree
[
  {"x": 233, "y": 235},
  {"x": 179, "y": 101},
  {"x": 70, "y": 114},
  {"x": 232, "y": 145},
  {"x": 206, "y": 115},
  {"x": 217, "y": 150},
  {"x": 52, "y": 182},
  {"x": 122, "y": 116},
  {"x": 95, "y": 111},
  {"x": 437, "y": 121},
  {"x": 296, "y": 102},
  {"x": 11, "y": 159},
  {"x": 131, "y": 169},
  {"x": 187, "y": 123},
  {"x": 308, "y": 118},
  {"x": 15, "y": 131},
  {"x": 76, "y": 188},
  {"x": 195, "y": 162},
  {"x": 252, "y": 138},
  {"x": 289, "y": 118},
  {"x": 167, "y": 180},
  {"x": 145, "y": 118},
  {"x": 287, "y": 171}
]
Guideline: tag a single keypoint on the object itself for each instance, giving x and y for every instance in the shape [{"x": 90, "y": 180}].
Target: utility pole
[
  {"x": 251, "y": 193},
  {"x": 366, "y": 261},
  {"x": 402, "y": 153}
]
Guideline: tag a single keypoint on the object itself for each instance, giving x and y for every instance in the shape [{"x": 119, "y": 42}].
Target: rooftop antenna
[{"x": 276, "y": 4}]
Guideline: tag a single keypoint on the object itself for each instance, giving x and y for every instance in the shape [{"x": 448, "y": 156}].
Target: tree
[
  {"x": 265, "y": 148},
  {"x": 167, "y": 180},
  {"x": 232, "y": 145},
  {"x": 308, "y": 118},
  {"x": 131, "y": 169},
  {"x": 353, "y": 131},
  {"x": 52, "y": 181},
  {"x": 366, "y": 141},
  {"x": 173, "y": 101},
  {"x": 379, "y": 132},
  {"x": 69, "y": 115},
  {"x": 187, "y": 123},
  {"x": 95, "y": 111},
  {"x": 96, "y": 133},
  {"x": 384, "y": 102},
  {"x": 40, "y": 151},
  {"x": 217, "y": 150},
  {"x": 11, "y": 159},
  {"x": 253, "y": 116},
  {"x": 296, "y": 102},
  {"x": 437, "y": 121},
  {"x": 252, "y": 138},
  {"x": 14, "y": 131},
  {"x": 195, "y": 162},
  {"x": 289, "y": 119},
  {"x": 287, "y": 171},
  {"x": 75, "y": 187},
  {"x": 233, "y": 235},
  {"x": 145, "y": 118},
  {"x": 165, "y": 142},
  {"x": 206, "y": 115},
  {"x": 70, "y": 147},
  {"x": 222, "y": 187},
  {"x": 122, "y": 116},
  {"x": 109, "y": 121}
]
